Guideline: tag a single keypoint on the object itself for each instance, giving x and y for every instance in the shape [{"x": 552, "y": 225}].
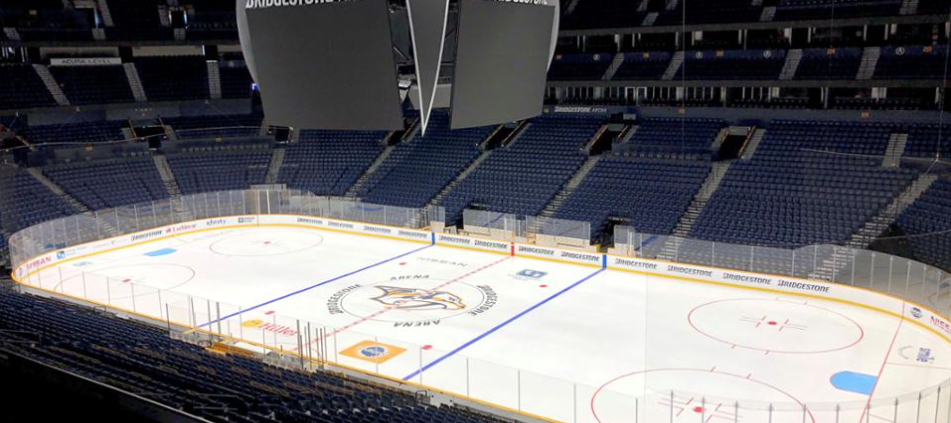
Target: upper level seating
[
  {"x": 626, "y": 14},
  {"x": 17, "y": 13},
  {"x": 789, "y": 10},
  {"x": 220, "y": 170},
  {"x": 110, "y": 183},
  {"x": 927, "y": 140},
  {"x": 794, "y": 136},
  {"x": 22, "y": 88},
  {"x": 929, "y": 215},
  {"x": 523, "y": 177},
  {"x": 174, "y": 78},
  {"x": 57, "y": 30},
  {"x": 722, "y": 11},
  {"x": 664, "y": 137},
  {"x": 604, "y": 14},
  {"x": 419, "y": 169},
  {"x": 44, "y": 20},
  {"x": 30, "y": 203},
  {"x": 217, "y": 126},
  {"x": 651, "y": 194},
  {"x": 79, "y": 132},
  {"x": 813, "y": 199},
  {"x": 937, "y": 7},
  {"x": 837, "y": 63},
  {"x": 572, "y": 67},
  {"x": 739, "y": 64},
  {"x": 212, "y": 20},
  {"x": 235, "y": 79},
  {"x": 137, "y": 20},
  {"x": 800, "y": 189},
  {"x": 646, "y": 65},
  {"x": 93, "y": 85},
  {"x": 329, "y": 162},
  {"x": 911, "y": 62},
  {"x": 146, "y": 361}
]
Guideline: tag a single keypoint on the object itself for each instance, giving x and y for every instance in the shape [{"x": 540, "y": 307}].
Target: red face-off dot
[
  {"x": 403, "y": 264},
  {"x": 771, "y": 323},
  {"x": 543, "y": 286},
  {"x": 698, "y": 410},
  {"x": 427, "y": 347}
]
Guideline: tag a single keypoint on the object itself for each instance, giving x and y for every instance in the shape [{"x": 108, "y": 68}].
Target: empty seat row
[{"x": 222, "y": 388}]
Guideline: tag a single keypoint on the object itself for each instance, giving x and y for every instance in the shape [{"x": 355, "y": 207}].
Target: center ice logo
[
  {"x": 412, "y": 302},
  {"x": 418, "y": 299}
]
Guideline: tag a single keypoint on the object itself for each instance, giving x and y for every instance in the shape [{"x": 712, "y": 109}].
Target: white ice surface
[{"x": 610, "y": 349}]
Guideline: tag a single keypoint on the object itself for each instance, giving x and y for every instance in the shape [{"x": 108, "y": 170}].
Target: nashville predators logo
[{"x": 418, "y": 299}]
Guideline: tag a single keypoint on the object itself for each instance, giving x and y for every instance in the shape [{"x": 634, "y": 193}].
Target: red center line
[
  {"x": 884, "y": 362},
  {"x": 398, "y": 303}
]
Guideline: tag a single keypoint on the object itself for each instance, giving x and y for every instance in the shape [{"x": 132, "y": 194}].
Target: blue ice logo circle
[{"x": 374, "y": 351}]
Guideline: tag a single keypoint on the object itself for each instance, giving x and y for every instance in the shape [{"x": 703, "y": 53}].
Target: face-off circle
[
  {"x": 409, "y": 300},
  {"x": 775, "y": 326},
  {"x": 696, "y": 393},
  {"x": 161, "y": 276},
  {"x": 255, "y": 244}
]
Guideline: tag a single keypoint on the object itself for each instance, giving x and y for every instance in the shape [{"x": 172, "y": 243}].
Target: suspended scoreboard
[{"x": 351, "y": 64}]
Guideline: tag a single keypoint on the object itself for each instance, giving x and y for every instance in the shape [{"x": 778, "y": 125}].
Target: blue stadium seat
[
  {"x": 926, "y": 223},
  {"x": 649, "y": 195},
  {"x": 112, "y": 183},
  {"x": 215, "y": 126},
  {"x": 173, "y": 77},
  {"x": 93, "y": 85},
  {"x": 735, "y": 64},
  {"x": 144, "y": 359},
  {"x": 673, "y": 138},
  {"x": 523, "y": 177},
  {"x": 22, "y": 88},
  {"x": 829, "y": 64},
  {"x": 419, "y": 169},
  {"x": 220, "y": 170},
  {"x": 810, "y": 182},
  {"x": 579, "y": 67},
  {"x": 31, "y": 203},
  {"x": 329, "y": 162}
]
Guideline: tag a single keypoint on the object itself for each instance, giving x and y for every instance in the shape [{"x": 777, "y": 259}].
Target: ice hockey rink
[{"x": 562, "y": 341}]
